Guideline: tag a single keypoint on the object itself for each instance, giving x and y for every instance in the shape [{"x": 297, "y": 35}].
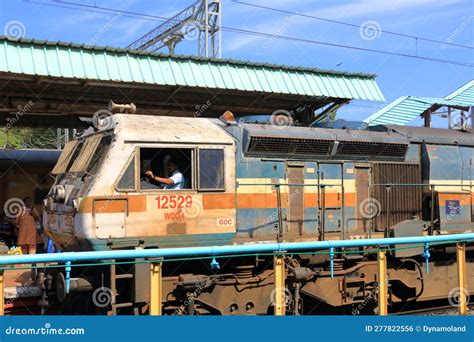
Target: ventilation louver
[
  {"x": 370, "y": 150},
  {"x": 289, "y": 146},
  {"x": 306, "y": 147}
]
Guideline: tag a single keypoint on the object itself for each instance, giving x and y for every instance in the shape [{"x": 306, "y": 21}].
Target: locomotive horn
[{"x": 122, "y": 108}]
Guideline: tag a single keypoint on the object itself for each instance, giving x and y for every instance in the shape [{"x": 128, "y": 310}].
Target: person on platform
[
  {"x": 175, "y": 179},
  {"x": 26, "y": 223}
]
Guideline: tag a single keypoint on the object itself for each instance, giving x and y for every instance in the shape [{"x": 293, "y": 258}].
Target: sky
[{"x": 443, "y": 20}]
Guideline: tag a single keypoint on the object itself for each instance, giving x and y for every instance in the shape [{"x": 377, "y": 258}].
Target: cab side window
[
  {"x": 211, "y": 169},
  {"x": 127, "y": 180},
  {"x": 158, "y": 160}
]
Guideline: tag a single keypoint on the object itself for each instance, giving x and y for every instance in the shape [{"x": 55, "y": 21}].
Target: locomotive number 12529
[{"x": 174, "y": 201}]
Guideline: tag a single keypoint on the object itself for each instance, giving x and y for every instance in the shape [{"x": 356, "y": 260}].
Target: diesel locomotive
[{"x": 253, "y": 183}]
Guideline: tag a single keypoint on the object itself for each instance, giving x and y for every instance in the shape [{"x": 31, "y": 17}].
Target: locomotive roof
[
  {"x": 143, "y": 128},
  {"x": 206, "y": 130},
  {"x": 324, "y": 133},
  {"x": 431, "y": 135}
]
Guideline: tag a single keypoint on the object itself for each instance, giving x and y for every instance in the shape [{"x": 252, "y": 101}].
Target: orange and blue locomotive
[{"x": 249, "y": 183}]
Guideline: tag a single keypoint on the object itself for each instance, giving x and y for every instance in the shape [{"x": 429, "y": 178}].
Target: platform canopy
[
  {"x": 407, "y": 108},
  {"x": 464, "y": 94},
  {"x": 66, "y": 81}
]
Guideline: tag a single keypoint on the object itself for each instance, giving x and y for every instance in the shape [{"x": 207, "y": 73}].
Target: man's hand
[{"x": 149, "y": 174}]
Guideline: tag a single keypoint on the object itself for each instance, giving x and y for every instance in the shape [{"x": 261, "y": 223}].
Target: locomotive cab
[{"x": 102, "y": 197}]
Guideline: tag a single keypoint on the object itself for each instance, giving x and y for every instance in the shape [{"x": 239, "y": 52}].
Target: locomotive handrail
[
  {"x": 276, "y": 247},
  {"x": 286, "y": 184},
  {"x": 328, "y": 185},
  {"x": 402, "y": 184}
]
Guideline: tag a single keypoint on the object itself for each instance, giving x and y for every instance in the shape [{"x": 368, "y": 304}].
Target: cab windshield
[{"x": 81, "y": 156}]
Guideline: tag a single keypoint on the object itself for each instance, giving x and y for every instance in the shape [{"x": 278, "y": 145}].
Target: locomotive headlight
[
  {"x": 59, "y": 193},
  {"x": 75, "y": 203}
]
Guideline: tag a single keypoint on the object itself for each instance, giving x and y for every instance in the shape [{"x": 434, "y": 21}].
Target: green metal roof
[
  {"x": 68, "y": 60},
  {"x": 464, "y": 94},
  {"x": 407, "y": 108}
]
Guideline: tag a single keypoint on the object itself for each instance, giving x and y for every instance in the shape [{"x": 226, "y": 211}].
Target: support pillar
[
  {"x": 2, "y": 293},
  {"x": 462, "y": 278},
  {"x": 155, "y": 289},
  {"x": 383, "y": 289},
  {"x": 280, "y": 293}
]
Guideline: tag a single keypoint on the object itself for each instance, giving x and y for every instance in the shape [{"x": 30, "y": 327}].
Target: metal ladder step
[
  {"x": 122, "y": 305},
  {"x": 124, "y": 276},
  {"x": 114, "y": 277}
]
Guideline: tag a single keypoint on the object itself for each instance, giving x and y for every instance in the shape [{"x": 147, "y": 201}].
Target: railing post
[
  {"x": 461, "y": 260},
  {"x": 2, "y": 294},
  {"x": 155, "y": 289},
  {"x": 280, "y": 214},
  {"x": 389, "y": 212},
  {"x": 382, "y": 263},
  {"x": 432, "y": 213},
  {"x": 280, "y": 293},
  {"x": 323, "y": 213}
]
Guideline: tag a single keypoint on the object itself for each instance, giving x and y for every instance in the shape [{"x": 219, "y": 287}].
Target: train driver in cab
[{"x": 175, "y": 181}]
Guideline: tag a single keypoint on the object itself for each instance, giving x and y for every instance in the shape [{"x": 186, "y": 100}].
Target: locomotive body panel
[{"x": 326, "y": 180}]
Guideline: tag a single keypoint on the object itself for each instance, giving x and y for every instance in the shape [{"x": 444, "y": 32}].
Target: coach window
[
  {"x": 211, "y": 169},
  {"x": 157, "y": 161},
  {"x": 127, "y": 177}
]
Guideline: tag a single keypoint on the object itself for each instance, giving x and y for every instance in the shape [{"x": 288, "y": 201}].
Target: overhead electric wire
[
  {"x": 91, "y": 8},
  {"x": 304, "y": 40},
  {"x": 95, "y": 9},
  {"x": 352, "y": 25}
]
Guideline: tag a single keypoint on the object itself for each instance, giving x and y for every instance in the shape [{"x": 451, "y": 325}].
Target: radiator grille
[
  {"x": 289, "y": 146},
  {"x": 405, "y": 201},
  {"x": 293, "y": 146},
  {"x": 370, "y": 150}
]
